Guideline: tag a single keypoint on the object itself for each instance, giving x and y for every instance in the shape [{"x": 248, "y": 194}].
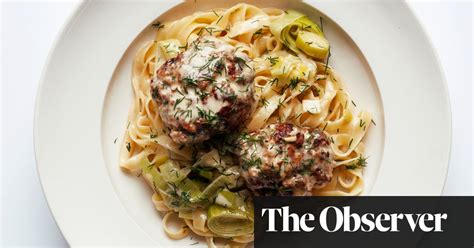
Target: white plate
[{"x": 379, "y": 48}]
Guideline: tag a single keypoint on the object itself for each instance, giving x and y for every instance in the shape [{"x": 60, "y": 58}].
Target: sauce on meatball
[
  {"x": 283, "y": 159},
  {"x": 205, "y": 90}
]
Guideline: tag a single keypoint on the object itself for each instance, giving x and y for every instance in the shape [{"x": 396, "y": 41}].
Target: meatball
[
  {"x": 283, "y": 159},
  {"x": 205, "y": 90}
]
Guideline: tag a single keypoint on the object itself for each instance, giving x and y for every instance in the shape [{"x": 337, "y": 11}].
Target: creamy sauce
[
  {"x": 283, "y": 157},
  {"x": 203, "y": 84}
]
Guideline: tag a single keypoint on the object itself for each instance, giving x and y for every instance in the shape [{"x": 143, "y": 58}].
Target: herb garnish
[
  {"x": 321, "y": 23},
  {"x": 189, "y": 82},
  {"x": 360, "y": 162},
  {"x": 158, "y": 25},
  {"x": 257, "y": 34},
  {"x": 274, "y": 81},
  {"x": 178, "y": 101},
  {"x": 263, "y": 102},
  {"x": 209, "y": 116},
  {"x": 208, "y": 63},
  {"x": 240, "y": 61},
  {"x": 273, "y": 60},
  {"x": 327, "y": 61}
]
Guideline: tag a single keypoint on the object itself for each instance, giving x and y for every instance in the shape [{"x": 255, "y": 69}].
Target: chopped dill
[
  {"x": 257, "y": 33},
  {"x": 158, "y": 25},
  {"x": 359, "y": 163},
  {"x": 273, "y": 60}
]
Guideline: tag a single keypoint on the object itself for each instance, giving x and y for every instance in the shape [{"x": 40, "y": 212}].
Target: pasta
[{"x": 293, "y": 83}]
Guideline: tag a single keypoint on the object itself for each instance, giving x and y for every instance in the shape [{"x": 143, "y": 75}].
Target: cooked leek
[
  {"x": 206, "y": 174},
  {"x": 290, "y": 67},
  {"x": 187, "y": 193},
  {"x": 228, "y": 179},
  {"x": 229, "y": 199},
  {"x": 211, "y": 159},
  {"x": 227, "y": 222},
  {"x": 151, "y": 174},
  {"x": 185, "y": 214},
  {"x": 312, "y": 44},
  {"x": 300, "y": 34},
  {"x": 172, "y": 173}
]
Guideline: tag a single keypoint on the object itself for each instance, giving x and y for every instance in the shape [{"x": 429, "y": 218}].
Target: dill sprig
[
  {"x": 209, "y": 30},
  {"x": 373, "y": 122},
  {"x": 208, "y": 116},
  {"x": 178, "y": 101},
  {"x": 274, "y": 81},
  {"x": 359, "y": 163},
  {"x": 158, "y": 25},
  {"x": 321, "y": 23},
  {"x": 253, "y": 161},
  {"x": 263, "y": 102},
  {"x": 240, "y": 61},
  {"x": 273, "y": 60},
  {"x": 208, "y": 63},
  {"x": 189, "y": 82},
  {"x": 327, "y": 61},
  {"x": 257, "y": 34}
]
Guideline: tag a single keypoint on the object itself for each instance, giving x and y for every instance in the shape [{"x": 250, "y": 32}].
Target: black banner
[{"x": 364, "y": 222}]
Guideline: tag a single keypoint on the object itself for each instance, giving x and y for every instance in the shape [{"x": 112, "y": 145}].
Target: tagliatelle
[{"x": 290, "y": 86}]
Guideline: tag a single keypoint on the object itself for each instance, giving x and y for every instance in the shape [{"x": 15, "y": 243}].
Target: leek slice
[
  {"x": 290, "y": 67},
  {"x": 206, "y": 174},
  {"x": 172, "y": 173},
  {"x": 182, "y": 196},
  {"x": 312, "y": 44},
  {"x": 229, "y": 199},
  {"x": 228, "y": 179},
  {"x": 185, "y": 214},
  {"x": 293, "y": 25},
  {"x": 227, "y": 222},
  {"x": 151, "y": 175},
  {"x": 190, "y": 191},
  {"x": 211, "y": 159}
]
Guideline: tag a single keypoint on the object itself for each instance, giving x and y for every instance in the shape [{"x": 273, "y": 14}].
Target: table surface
[{"x": 28, "y": 30}]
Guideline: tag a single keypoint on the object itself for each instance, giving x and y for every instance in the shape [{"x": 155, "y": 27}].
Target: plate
[{"x": 379, "y": 48}]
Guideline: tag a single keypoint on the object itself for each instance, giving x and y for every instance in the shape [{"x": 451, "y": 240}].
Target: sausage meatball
[
  {"x": 205, "y": 90},
  {"x": 284, "y": 159}
]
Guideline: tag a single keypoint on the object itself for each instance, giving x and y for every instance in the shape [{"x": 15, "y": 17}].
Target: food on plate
[
  {"x": 233, "y": 103},
  {"x": 285, "y": 159},
  {"x": 203, "y": 91}
]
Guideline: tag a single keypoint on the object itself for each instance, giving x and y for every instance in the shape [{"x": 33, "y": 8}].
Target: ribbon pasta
[{"x": 290, "y": 87}]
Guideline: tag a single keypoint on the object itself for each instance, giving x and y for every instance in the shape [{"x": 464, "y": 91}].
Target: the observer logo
[
  {"x": 347, "y": 221},
  {"x": 364, "y": 221}
]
